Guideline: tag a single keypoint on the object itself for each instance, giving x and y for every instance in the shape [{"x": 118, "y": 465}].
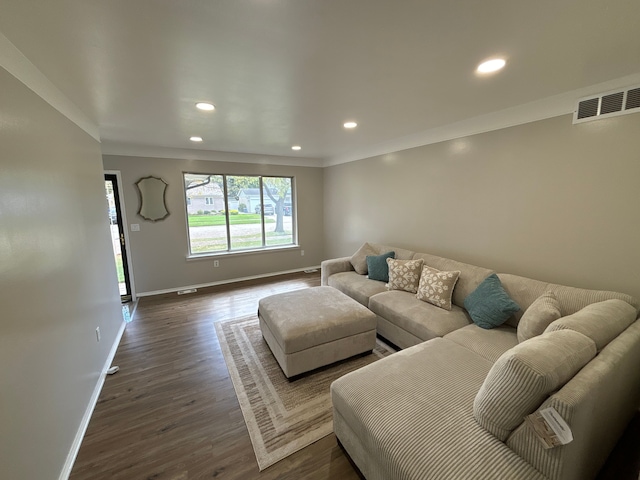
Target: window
[{"x": 238, "y": 212}]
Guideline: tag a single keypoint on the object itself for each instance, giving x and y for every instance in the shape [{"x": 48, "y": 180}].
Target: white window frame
[{"x": 264, "y": 247}]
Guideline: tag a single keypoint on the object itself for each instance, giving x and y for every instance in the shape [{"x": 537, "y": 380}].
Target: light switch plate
[{"x": 135, "y": 227}]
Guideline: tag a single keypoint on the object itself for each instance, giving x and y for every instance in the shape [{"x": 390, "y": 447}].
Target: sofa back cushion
[
  {"x": 401, "y": 253},
  {"x": 601, "y": 322},
  {"x": 469, "y": 279},
  {"x": 524, "y": 376},
  {"x": 524, "y": 291},
  {"x": 359, "y": 258}
]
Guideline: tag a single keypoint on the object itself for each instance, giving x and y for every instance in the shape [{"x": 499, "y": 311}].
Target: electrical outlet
[
  {"x": 216, "y": 263},
  {"x": 98, "y": 334},
  {"x": 302, "y": 253}
]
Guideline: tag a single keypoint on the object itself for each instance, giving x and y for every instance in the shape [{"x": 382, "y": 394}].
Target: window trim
[
  {"x": 262, "y": 227},
  {"x": 240, "y": 253}
]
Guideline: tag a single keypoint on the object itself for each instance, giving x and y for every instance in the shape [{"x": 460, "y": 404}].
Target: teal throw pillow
[
  {"x": 490, "y": 305},
  {"x": 377, "y": 266}
]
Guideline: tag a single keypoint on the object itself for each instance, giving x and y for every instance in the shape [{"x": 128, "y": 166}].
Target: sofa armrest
[{"x": 335, "y": 265}]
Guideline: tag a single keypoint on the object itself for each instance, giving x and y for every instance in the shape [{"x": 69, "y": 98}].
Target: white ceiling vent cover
[{"x": 610, "y": 104}]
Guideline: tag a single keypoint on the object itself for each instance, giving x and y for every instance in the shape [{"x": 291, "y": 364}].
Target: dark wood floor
[{"x": 171, "y": 411}]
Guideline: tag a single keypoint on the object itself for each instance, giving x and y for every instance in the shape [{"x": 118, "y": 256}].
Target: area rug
[{"x": 282, "y": 416}]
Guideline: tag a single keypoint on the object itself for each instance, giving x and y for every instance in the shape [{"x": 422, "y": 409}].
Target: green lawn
[
  {"x": 119, "y": 268},
  {"x": 216, "y": 220}
]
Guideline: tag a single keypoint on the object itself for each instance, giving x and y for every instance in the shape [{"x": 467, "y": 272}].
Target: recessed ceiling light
[
  {"x": 195, "y": 139},
  {"x": 205, "y": 106},
  {"x": 491, "y": 66},
  {"x": 296, "y": 147},
  {"x": 350, "y": 125}
]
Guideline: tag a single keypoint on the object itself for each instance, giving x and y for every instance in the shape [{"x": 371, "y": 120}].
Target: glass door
[{"x": 117, "y": 236}]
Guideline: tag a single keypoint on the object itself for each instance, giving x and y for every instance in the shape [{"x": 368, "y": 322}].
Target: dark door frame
[{"x": 113, "y": 178}]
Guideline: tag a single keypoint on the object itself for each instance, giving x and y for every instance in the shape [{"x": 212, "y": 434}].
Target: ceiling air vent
[
  {"x": 611, "y": 103},
  {"x": 608, "y": 104},
  {"x": 588, "y": 108},
  {"x": 633, "y": 99}
]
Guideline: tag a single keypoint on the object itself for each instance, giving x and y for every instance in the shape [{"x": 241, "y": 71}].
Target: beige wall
[
  {"x": 159, "y": 250},
  {"x": 549, "y": 200},
  {"x": 57, "y": 282}
]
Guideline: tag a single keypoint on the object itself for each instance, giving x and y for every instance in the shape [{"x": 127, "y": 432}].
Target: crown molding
[
  {"x": 14, "y": 62},
  {"x": 132, "y": 150},
  {"x": 554, "y": 106}
]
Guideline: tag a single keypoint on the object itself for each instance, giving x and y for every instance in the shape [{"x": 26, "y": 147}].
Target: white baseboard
[
  {"x": 224, "y": 282},
  {"x": 82, "y": 429}
]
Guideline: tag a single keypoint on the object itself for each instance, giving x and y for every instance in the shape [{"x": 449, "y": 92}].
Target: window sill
[{"x": 238, "y": 253}]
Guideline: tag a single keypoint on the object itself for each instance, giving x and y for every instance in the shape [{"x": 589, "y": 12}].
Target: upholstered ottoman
[{"x": 310, "y": 328}]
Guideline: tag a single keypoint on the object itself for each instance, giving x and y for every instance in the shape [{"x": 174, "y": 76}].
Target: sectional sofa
[{"x": 454, "y": 402}]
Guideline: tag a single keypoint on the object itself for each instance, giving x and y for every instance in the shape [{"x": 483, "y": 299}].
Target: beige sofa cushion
[
  {"x": 523, "y": 377},
  {"x": 420, "y": 319},
  {"x": 544, "y": 310},
  {"x": 401, "y": 253},
  {"x": 404, "y": 274},
  {"x": 601, "y": 322},
  {"x": 358, "y": 287},
  {"x": 489, "y": 344},
  {"x": 524, "y": 291}
]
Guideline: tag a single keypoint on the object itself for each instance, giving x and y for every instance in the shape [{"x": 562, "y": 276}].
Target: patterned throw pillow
[
  {"x": 404, "y": 274},
  {"x": 436, "y": 287}
]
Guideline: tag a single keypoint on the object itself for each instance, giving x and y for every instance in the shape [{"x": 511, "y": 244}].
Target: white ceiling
[{"x": 287, "y": 72}]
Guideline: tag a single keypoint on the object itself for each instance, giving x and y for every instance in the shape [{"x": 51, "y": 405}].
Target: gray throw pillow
[
  {"x": 544, "y": 310},
  {"x": 359, "y": 259}
]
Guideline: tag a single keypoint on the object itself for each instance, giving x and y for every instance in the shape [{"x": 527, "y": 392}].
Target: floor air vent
[{"x": 608, "y": 104}]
